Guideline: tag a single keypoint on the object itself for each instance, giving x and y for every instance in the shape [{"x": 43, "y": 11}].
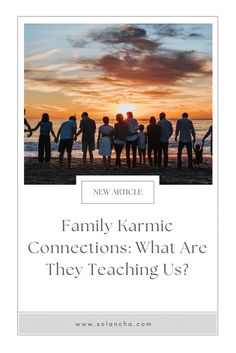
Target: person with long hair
[
  {"x": 153, "y": 135},
  {"x": 44, "y": 144},
  {"x": 119, "y": 138}
]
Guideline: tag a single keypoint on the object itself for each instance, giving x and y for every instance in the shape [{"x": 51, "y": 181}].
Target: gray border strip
[
  {"x": 118, "y": 203},
  {"x": 118, "y": 323}
]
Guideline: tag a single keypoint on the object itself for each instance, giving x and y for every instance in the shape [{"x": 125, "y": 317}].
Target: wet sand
[{"x": 36, "y": 174}]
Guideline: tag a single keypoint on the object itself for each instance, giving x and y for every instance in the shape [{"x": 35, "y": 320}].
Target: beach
[{"x": 36, "y": 174}]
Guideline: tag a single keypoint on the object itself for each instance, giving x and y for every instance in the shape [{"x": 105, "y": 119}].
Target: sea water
[{"x": 31, "y": 144}]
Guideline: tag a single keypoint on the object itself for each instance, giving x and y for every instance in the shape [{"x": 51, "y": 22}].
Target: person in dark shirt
[
  {"x": 87, "y": 128},
  {"x": 209, "y": 133},
  {"x": 198, "y": 154},
  {"x": 119, "y": 138},
  {"x": 44, "y": 145},
  {"x": 28, "y": 126},
  {"x": 153, "y": 137}
]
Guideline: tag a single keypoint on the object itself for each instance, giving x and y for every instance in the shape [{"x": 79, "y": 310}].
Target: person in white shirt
[
  {"x": 105, "y": 141},
  {"x": 66, "y": 133},
  {"x": 185, "y": 130},
  {"x": 131, "y": 139},
  {"x": 166, "y": 132}
]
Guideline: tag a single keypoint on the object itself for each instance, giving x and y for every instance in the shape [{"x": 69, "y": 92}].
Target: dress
[{"x": 105, "y": 141}]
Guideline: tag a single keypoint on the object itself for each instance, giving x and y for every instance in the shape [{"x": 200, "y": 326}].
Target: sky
[{"x": 106, "y": 69}]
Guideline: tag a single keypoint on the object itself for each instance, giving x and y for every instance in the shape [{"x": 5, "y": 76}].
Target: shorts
[
  {"x": 88, "y": 145},
  {"x": 65, "y": 144}
]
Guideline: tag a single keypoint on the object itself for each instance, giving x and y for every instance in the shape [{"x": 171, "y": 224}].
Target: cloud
[
  {"x": 162, "y": 68},
  {"x": 168, "y": 30},
  {"x": 45, "y": 107},
  {"x": 39, "y": 56},
  {"x": 76, "y": 41},
  {"x": 195, "y": 35},
  {"x": 69, "y": 86},
  {"x": 124, "y": 35},
  {"x": 56, "y": 68}
]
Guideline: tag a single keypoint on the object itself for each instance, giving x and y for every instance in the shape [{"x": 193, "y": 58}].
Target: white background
[
  {"x": 194, "y": 292},
  {"x": 225, "y": 341}
]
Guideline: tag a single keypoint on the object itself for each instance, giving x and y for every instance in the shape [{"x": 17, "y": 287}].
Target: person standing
[
  {"x": 66, "y": 133},
  {"x": 119, "y": 137},
  {"x": 142, "y": 144},
  {"x": 209, "y": 133},
  {"x": 153, "y": 137},
  {"x": 87, "y": 128},
  {"x": 131, "y": 139},
  {"x": 104, "y": 142},
  {"x": 166, "y": 131},
  {"x": 28, "y": 126},
  {"x": 44, "y": 145},
  {"x": 185, "y": 130}
]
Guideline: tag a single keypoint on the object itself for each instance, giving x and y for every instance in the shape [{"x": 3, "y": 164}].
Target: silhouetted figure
[
  {"x": 198, "y": 154},
  {"x": 209, "y": 132},
  {"x": 44, "y": 145},
  {"x": 87, "y": 128},
  {"x": 142, "y": 144},
  {"x": 184, "y": 128},
  {"x": 166, "y": 132},
  {"x": 131, "y": 139},
  {"x": 153, "y": 135},
  {"x": 105, "y": 141},
  {"x": 66, "y": 133},
  {"x": 119, "y": 137},
  {"x": 28, "y": 126}
]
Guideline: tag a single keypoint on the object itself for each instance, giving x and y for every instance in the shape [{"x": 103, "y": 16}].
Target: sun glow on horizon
[{"x": 126, "y": 107}]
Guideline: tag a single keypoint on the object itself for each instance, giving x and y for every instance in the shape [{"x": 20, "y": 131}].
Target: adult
[
  {"x": 153, "y": 139},
  {"x": 28, "y": 126},
  {"x": 44, "y": 144},
  {"x": 119, "y": 138},
  {"x": 87, "y": 128},
  {"x": 66, "y": 133},
  {"x": 104, "y": 141},
  {"x": 209, "y": 133},
  {"x": 166, "y": 132},
  {"x": 185, "y": 130},
  {"x": 131, "y": 139}
]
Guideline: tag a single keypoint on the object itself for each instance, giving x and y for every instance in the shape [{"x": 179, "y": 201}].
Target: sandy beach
[{"x": 35, "y": 174}]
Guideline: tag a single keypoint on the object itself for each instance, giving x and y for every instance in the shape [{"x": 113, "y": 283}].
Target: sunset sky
[{"x": 106, "y": 69}]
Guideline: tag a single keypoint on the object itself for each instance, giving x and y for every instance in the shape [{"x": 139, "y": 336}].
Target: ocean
[{"x": 31, "y": 144}]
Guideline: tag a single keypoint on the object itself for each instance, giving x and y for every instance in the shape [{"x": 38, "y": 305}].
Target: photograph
[{"x": 118, "y": 99}]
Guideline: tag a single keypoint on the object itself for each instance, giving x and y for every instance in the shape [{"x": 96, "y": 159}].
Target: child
[
  {"x": 142, "y": 142},
  {"x": 104, "y": 141},
  {"x": 198, "y": 154}
]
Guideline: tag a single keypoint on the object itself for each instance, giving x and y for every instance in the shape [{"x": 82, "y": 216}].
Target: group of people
[{"x": 126, "y": 133}]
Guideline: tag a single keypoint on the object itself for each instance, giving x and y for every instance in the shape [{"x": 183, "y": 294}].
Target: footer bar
[{"x": 117, "y": 323}]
